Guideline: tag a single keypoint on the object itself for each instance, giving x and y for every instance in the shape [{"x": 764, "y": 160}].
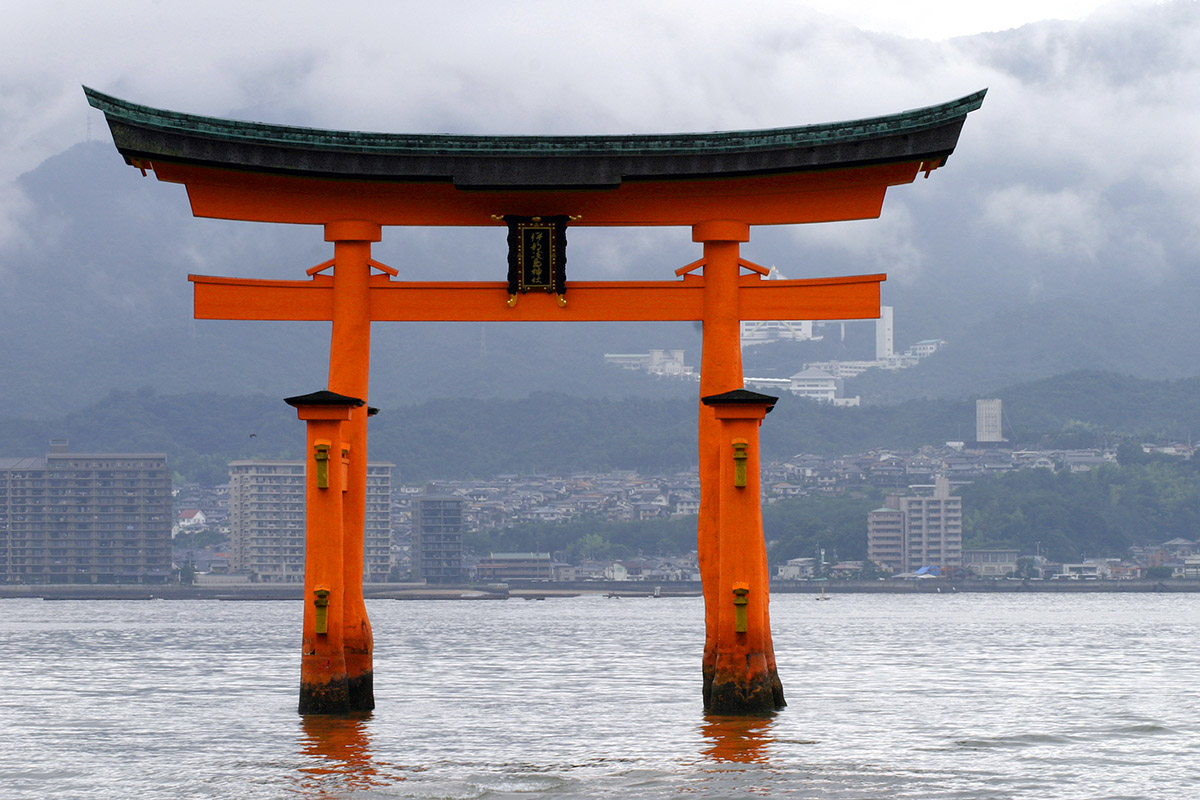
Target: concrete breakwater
[{"x": 613, "y": 589}]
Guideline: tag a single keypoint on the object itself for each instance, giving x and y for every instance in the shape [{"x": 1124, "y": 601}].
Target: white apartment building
[
  {"x": 884, "y": 340},
  {"x": 815, "y": 383},
  {"x": 988, "y": 420},
  {"x": 266, "y": 520},
  {"x": 763, "y": 331},
  {"x": 927, "y": 525},
  {"x": 819, "y": 385},
  {"x": 656, "y": 362},
  {"x": 927, "y": 347}
]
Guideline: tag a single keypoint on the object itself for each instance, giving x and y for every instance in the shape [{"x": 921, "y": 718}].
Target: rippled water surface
[{"x": 890, "y": 696}]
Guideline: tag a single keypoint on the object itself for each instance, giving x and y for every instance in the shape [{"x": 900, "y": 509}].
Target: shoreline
[{"x": 538, "y": 590}]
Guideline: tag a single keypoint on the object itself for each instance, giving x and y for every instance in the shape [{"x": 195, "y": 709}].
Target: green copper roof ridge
[{"x": 531, "y": 145}]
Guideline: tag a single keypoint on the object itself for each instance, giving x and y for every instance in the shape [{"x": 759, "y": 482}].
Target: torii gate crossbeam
[{"x": 718, "y": 184}]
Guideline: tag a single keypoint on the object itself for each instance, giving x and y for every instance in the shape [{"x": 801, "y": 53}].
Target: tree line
[{"x": 556, "y": 433}]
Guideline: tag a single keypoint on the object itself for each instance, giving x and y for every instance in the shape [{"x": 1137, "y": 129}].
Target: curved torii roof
[{"x": 431, "y": 179}]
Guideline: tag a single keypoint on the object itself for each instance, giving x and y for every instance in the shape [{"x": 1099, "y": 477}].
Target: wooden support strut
[{"x": 720, "y": 371}]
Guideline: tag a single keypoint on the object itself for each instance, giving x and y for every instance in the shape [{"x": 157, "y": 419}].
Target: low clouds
[
  {"x": 1080, "y": 172},
  {"x": 1065, "y": 224},
  {"x": 888, "y": 244}
]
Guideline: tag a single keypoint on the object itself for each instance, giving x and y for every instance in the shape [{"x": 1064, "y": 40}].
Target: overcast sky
[
  {"x": 1075, "y": 187},
  {"x": 579, "y": 66},
  {"x": 1084, "y": 150}
]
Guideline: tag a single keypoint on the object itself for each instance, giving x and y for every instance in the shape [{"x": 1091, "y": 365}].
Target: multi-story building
[
  {"x": 885, "y": 538},
  {"x": 988, "y": 416},
  {"x": 85, "y": 518},
  {"x": 884, "y": 340},
  {"x": 927, "y": 347},
  {"x": 437, "y": 539},
  {"x": 515, "y": 567},
  {"x": 991, "y": 563},
  {"x": 814, "y": 383},
  {"x": 656, "y": 362},
  {"x": 266, "y": 520},
  {"x": 928, "y": 524}
]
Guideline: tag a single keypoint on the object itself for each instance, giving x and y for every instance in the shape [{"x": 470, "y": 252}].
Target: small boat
[{"x": 822, "y": 597}]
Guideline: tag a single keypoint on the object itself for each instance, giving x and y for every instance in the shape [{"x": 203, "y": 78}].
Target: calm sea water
[{"x": 928, "y": 696}]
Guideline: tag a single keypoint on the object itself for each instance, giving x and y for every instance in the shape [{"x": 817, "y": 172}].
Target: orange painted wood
[
  {"x": 323, "y": 685},
  {"x": 802, "y": 197},
  {"x": 853, "y": 297},
  {"x": 349, "y": 374},
  {"x": 720, "y": 371},
  {"x": 744, "y": 674}
]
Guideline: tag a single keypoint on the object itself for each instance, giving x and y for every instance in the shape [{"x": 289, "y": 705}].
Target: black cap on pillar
[
  {"x": 324, "y": 398},
  {"x": 740, "y": 397}
]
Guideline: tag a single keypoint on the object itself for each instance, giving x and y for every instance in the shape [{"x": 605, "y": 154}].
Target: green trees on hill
[
  {"x": 1063, "y": 516},
  {"x": 590, "y": 538},
  {"x": 1146, "y": 500},
  {"x": 793, "y": 529},
  {"x": 1067, "y": 516},
  {"x": 548, "y": 432},
  {"x": 802, "y": 527}
]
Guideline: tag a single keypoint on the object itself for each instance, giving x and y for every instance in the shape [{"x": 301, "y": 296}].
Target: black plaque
[{"x": 537, "y": 254}]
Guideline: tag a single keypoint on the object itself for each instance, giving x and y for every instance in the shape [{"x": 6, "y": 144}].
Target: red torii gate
[{"x": 718, "y": 184}]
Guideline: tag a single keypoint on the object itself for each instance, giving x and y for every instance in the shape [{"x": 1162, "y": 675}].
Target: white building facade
[
  {"x": 988, "y": 420},
  {"x": 926, "y": 524},
  {"x": 266, "y": 520}
]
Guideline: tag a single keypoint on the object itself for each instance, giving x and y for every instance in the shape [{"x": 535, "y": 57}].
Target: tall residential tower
[
  {"x": 922, "y": 529},
  {"x": 988, "y": 418},
  {"x": 266, "y": 520},
  {"x": 85, "y": 518}
]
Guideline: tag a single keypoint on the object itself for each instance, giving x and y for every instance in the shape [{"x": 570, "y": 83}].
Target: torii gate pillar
[
  {"x": 721, "y": 372},
  {"x": 324, "y": 684},
  {"x": 349, "y": 374},
  {"x": 742, "y": 677}
]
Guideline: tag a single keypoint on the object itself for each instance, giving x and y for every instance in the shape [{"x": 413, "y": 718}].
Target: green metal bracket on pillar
[
  {"x": 322, "y": 459},
  {"x": 321, "y": 621},
  {"x": 740, "y": 622},
  {"x": 739, "y": 462}
]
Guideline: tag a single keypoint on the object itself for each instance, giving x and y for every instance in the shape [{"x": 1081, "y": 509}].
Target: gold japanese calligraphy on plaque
[{"x": 537, "y": 256}]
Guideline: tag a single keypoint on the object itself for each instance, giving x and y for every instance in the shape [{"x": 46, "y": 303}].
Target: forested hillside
[{"x": 555, "y": 433}]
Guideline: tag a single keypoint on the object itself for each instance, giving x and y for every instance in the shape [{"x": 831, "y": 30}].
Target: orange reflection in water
[
  {"x": 337, "y": 755},
  {"x": 738, "y": 739}
]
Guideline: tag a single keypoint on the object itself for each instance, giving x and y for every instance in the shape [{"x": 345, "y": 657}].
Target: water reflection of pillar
[
  {"x": 338, "y": 752},
  {"x": 739, "y": 739}
]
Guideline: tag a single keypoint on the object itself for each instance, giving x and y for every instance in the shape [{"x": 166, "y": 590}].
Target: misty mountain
[
  {"x": 1060, "y": 236},
  {"x": 555, "y": 433}
]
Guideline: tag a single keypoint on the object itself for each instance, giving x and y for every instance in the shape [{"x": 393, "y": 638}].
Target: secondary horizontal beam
[{"x": 853, "y": 297}]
